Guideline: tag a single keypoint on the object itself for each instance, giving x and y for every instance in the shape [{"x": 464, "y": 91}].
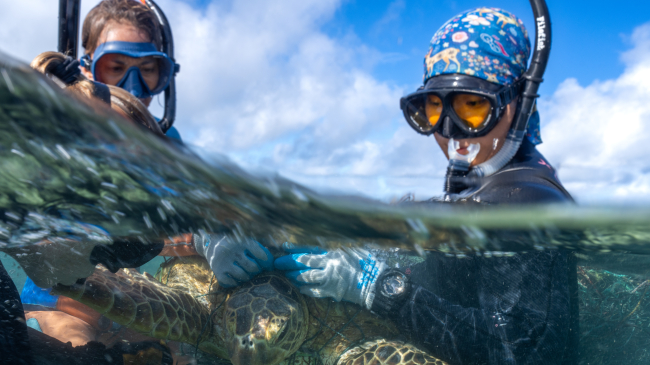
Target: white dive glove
[
  {"x": 233, "y": 261},
  {"x": 348, "y": 274}
]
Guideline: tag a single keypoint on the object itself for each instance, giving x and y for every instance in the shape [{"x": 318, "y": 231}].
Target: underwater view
[{"x": 122, "y": 244}]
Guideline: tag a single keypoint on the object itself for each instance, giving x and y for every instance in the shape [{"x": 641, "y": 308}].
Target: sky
[{"x": 310, "y": 88}]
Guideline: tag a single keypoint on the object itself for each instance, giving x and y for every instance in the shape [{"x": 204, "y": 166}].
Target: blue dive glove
[
  {"x": 233, "y": 261},
  {"x": 348, "y": 274}
]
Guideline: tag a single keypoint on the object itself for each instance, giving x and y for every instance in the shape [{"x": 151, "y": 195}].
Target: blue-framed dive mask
[{"x": 133, "y": 81}]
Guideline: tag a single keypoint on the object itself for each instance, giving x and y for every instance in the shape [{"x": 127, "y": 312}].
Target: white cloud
[
  {"x": 599, "y": 135},
  {"x": 264, "y": 84},
  {"x": 255, "y": 73}
]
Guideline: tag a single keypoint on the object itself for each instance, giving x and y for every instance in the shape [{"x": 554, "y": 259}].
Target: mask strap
[
  {"x": 86, "y": 62},
  {"x": 508, "y": 94}
]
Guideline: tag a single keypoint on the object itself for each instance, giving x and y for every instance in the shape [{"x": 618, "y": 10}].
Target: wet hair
[
  {"x": 130, "y": 107},
  {"x": 48, "y": 63},
  {"x": 131, "y": 12},
  {"x": 86, "y": 91}
]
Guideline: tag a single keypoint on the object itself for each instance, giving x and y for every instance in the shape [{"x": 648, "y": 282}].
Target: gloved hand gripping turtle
[
  {"x": 348, "y": 274},
  {"x": 233, "y": 261}
]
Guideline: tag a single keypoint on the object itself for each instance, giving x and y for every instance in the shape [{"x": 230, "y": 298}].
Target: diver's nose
[
  {"x": 134, "y": 83},
  {"x": 450, "y": 129}
]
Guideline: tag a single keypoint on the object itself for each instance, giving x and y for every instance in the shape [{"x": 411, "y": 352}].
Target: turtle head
[{"x": 266, "y": 321}]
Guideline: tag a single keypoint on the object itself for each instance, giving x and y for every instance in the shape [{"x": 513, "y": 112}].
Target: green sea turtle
[{"x": 265, "y": 321}]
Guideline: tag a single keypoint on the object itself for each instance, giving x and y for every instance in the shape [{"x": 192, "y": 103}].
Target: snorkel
[
  {"x": 69, "y": 46},
  {"x": 533, "y": 78},
  {"x": 168, "y": 47},
  {"x": 459, "y": 166},
  {"x": 69, "y": 27}
]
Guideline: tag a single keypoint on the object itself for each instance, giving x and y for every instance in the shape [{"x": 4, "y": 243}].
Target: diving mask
[
  {"x": 144, "y": 80},
  {"x": 457, "y": 106}
]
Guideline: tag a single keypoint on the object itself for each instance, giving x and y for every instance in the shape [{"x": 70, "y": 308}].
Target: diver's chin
[{"x": 146, "y": 101}]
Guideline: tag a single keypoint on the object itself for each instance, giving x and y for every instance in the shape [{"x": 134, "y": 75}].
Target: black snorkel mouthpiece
[
  {"x": 168, "y": 47},
  {"x": 533, "y": 77},
  {"x": 69, "y": 27},
  {"x": 456, "y": 177}
]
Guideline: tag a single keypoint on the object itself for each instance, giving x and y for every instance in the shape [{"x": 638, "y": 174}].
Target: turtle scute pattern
[
  {"x": 383, "y": 352},
  {"x": 266, "y": 321},
  {"x": 141, "y": 303}
]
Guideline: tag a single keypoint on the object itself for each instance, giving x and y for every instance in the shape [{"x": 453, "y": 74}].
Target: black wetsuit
[
  {"x": 14, "y": 341},
  {"x": 499, "y": 310}
]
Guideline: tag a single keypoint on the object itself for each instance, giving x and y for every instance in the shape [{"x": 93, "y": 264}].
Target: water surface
[{"x": 68, "y": 172}]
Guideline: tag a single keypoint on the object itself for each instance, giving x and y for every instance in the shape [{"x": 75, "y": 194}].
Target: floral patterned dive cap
[{"x": 488, "y": 43}]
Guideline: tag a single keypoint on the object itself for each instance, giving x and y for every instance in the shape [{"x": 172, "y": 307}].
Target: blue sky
[
  {"x": 311, "y": 88},
  {"x": 589, "y": 36}
]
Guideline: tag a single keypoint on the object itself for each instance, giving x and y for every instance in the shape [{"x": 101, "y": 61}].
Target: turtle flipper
[
  {"x": 382, "y": 352},
  {"x": 143, "y": 304}
]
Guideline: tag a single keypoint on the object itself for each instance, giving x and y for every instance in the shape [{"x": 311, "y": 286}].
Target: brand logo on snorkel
[{"x": 541, "y": 34}]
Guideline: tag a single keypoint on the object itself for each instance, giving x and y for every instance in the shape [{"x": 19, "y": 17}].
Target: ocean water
[{"x": 71, "y": 174}]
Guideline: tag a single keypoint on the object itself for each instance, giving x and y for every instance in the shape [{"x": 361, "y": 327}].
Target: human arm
[
  {"x": 66, "y": 260},
  {"x": 522, "y": 313},
  {"x": 50, "y": 262},
  {"x": 181, "y": 245},
  {"x": 232, "y": 262}
]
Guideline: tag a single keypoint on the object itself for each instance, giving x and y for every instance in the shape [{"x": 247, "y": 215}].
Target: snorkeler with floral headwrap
[{"x": 477, "y": 101}]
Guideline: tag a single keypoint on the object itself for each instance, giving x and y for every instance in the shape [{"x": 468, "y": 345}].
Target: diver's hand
[
  {"x": 61, "y": 261},
  {"x": 345, "y": 274},
  {"x": 233, "y": 262}
]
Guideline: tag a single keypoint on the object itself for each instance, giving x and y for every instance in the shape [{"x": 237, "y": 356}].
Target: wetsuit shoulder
[
  {"x": 527, "y": 179},
  {"x": 173, "y": 133},
  {"x": 521, "y": 187}
]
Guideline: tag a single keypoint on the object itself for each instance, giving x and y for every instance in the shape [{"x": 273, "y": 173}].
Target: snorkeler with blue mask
[
  {"x": 124, "y": 47},
  {"x": 477, "y": 100}
]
